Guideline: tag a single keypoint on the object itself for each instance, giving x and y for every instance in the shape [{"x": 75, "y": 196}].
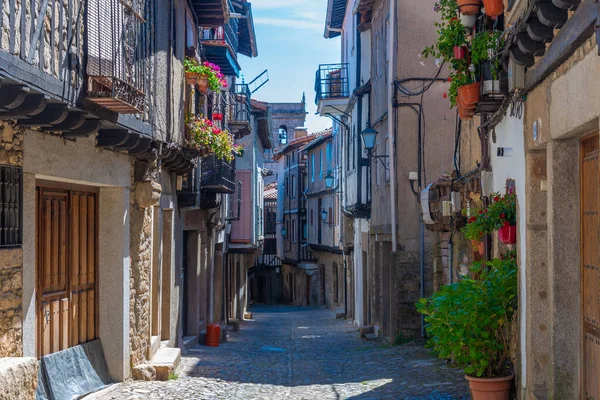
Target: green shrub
[{"x": 469, "y": 320}]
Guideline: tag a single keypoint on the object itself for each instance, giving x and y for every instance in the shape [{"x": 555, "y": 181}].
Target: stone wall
[
  {"x": 145, "y": 195},
  {"x": 19, "y": 377},
  {"x": 11, "y": 260}
]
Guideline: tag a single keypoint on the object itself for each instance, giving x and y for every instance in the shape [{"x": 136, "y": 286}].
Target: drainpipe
[{"x": 391, "y": 111}]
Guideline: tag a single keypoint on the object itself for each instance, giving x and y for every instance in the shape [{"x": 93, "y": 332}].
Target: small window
[
  {"x": 294, "y": 231},
  {"x": 283, "y": 135},
  {"x": 293, "y": 186},
  {"x": 286, "y": 185},
  {"x": 293, "y": 157},
  {"x": 312, "y": 222},
  {"x": 312, "y": 167},
  {"x": 320, "y": 165}
]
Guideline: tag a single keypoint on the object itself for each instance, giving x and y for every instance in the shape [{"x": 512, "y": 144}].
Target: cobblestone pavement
[{"x": 302, "y": 353}]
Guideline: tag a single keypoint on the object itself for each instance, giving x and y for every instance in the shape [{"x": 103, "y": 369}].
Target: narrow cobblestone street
[{"x": 302, "y": 353}]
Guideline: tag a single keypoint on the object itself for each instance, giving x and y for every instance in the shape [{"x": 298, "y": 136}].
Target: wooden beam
[
  {"x": 52, "y": 115},
  {"x": 89, "y": 127},
  {"x": 579, "y": 28},
  {"x": 12, "y": 96},
  {"x": 32, "y": 105},
  {"x": 112, "y": 137},
  {"x": 74, "y": 120}
]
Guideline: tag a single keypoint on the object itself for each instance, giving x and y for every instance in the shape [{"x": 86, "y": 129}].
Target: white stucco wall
[
  {"x": 50, "y": 158},
  {"x": 509, "y": 135}
]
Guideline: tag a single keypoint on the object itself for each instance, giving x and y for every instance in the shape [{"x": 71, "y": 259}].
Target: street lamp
[
  {"x": 369, "y": 137},
  {"x": 329, "y": 181},
  {"x": 324, "y": 215}
]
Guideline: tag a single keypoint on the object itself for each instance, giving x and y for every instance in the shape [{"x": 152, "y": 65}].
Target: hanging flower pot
[
  {"x": 191, "y": 77},
  {"x": 468, "y": 21},
  {"x": 465, "y": 114},
  {"x": 493, "y": 8},
  {"x": 460, "y": 52},
  {"x": 217, "y": 117},
  {"x": 469, "y": 94},
  {"x": 508, "y": 234},
  {"x": 203, "y": 84},
  {"x": 469, "y": 7}
]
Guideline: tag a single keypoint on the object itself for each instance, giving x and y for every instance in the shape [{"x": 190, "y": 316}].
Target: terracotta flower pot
[
  {"x": 508, "y": 234},
  {"x": 469, "y": 94},
  {"x": 490, "y": 389},
  {"x": 469, "y": 7},
  {"x": 460, "y": 52},
  {"x": 465, "y": 114},
  {"x": 191, "y": 78},
  {"x": 203, "y": 84},
  {"x": 493, "y": 8},
  {"x": 477, "y": 246}
]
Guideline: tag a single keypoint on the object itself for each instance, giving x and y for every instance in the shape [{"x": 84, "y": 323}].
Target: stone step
[
  {"x": 165, "y": 361},
  {"x": 190, "y": 342},
  {"x": 371, "y": 337}
]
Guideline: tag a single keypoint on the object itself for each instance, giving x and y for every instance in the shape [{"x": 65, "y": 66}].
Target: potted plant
[
  {"x": 503, "y": 210},
  {"x": 217, "y": 117},
  {"x": 469, "y": 7},
  {"x": 469, "y": 323},
  {"x": 468, "y": 20},
  {"x": 211, "y": 78},
  {"x": 209, "y": 139},
  {"x": 451, "y": 44},
  {"x": 192, "y": 71},
  {"x": 493, "y": 8},
  {"x": 484, "y": 49}
]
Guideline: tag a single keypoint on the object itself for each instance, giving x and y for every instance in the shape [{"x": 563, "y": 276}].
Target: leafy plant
[
  {"x": 450, "y": 34},
  {"x": 212, "y": 72},
  {"x": 503, "y": 209},
  {"x": 484, "y": 46},
  {"x": 205, "y": 136},
  {"x": 469, "y": 320},
  {"x": 447, "y": 8}
]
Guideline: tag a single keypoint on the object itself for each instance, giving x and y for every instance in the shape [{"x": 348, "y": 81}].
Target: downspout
[{"x": 391, "y": 121}]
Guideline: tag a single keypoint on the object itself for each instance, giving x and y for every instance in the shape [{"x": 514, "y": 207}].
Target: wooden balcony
[
  {"x": 221, "y": 46},
  {"x": 211, "y": 13},
  {"x": 332, "y": 89}
]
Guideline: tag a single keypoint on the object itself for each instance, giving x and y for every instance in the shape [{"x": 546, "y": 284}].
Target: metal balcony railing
[
  {"x": 217, "y": 175},
  {"x": 188, "y": 195},
  {"x": 332, "y": 82},
  {"x": 117, "y": 44}
]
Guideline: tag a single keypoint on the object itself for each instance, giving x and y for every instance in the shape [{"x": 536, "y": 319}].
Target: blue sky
[{"x": 291, "y": 46}]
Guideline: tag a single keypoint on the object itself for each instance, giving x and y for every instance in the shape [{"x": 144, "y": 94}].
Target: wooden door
[
  {"x": 66, "y": 269},
  {"x": 590, "y": 265}
]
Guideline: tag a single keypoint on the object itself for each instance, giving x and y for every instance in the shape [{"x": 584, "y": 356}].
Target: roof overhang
[
  {"x": 336, "y": 11},
  {"x": 247, "y": 34},
  {"x": 211, "y": 13}
]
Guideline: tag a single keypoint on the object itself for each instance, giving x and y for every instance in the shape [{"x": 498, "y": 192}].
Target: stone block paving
[{"x": 303, "y": 353}]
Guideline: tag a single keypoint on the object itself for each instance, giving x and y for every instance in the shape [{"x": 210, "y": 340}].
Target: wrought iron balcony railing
[
  {"x": 188, "y": 196},
  {"x": 117, "y": 40},
  {"x": 234, "y": 106},
  {"x": 332, "y": 82},
  {"x": 221, "y": 46},
  {"x": 217, "y": 175}
]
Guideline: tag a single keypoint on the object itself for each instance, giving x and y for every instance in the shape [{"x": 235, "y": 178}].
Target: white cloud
[{"x": 278, "y": 4}]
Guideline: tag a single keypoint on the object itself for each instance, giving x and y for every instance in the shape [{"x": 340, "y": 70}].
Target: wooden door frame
[
  {"x": 583, "y": 326},
  {"x": 42, "y": 186}
]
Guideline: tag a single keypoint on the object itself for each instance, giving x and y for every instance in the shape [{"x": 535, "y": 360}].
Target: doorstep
[{"x": 165, "y": 361}]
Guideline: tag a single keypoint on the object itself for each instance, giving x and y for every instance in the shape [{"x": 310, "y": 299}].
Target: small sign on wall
[{"x": 505, "y": 152}]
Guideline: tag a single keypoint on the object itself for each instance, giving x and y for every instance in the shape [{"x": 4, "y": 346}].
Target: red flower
[
  {"x": 502, "y": 216},
  {"x": 449, "y": 79},
  {"x": 496, "y": 199},
  {"x": 480, "y": 212},
  {"x": 472, "y": 219},
  {"x": 445, "y": 95}
]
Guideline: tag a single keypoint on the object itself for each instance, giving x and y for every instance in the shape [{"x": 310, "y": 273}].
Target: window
[
  {"x": 320, "y": 165},
  {"x": 304, "y": 231},
  {"x": 328, "y": 158},
  {"x": 294, "y": 231},
  {"x": 293, "y": 186},
  {"x": 285, "y": 185},
  {"x": 330, "y": 215},
  {"x": 283, "y": 139},
  {"x": 312, "y": 167},
  {"x": 11, "y": 206},
  {"x": 293, "y": 157}
]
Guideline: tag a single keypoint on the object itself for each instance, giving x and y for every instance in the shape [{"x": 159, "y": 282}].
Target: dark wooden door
[
  {"x": 66, "y": 269},
  {"x": 590, "y": 265}
]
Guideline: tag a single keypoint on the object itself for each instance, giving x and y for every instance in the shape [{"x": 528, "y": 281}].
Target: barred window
[{"x": 11, "y": 206}]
